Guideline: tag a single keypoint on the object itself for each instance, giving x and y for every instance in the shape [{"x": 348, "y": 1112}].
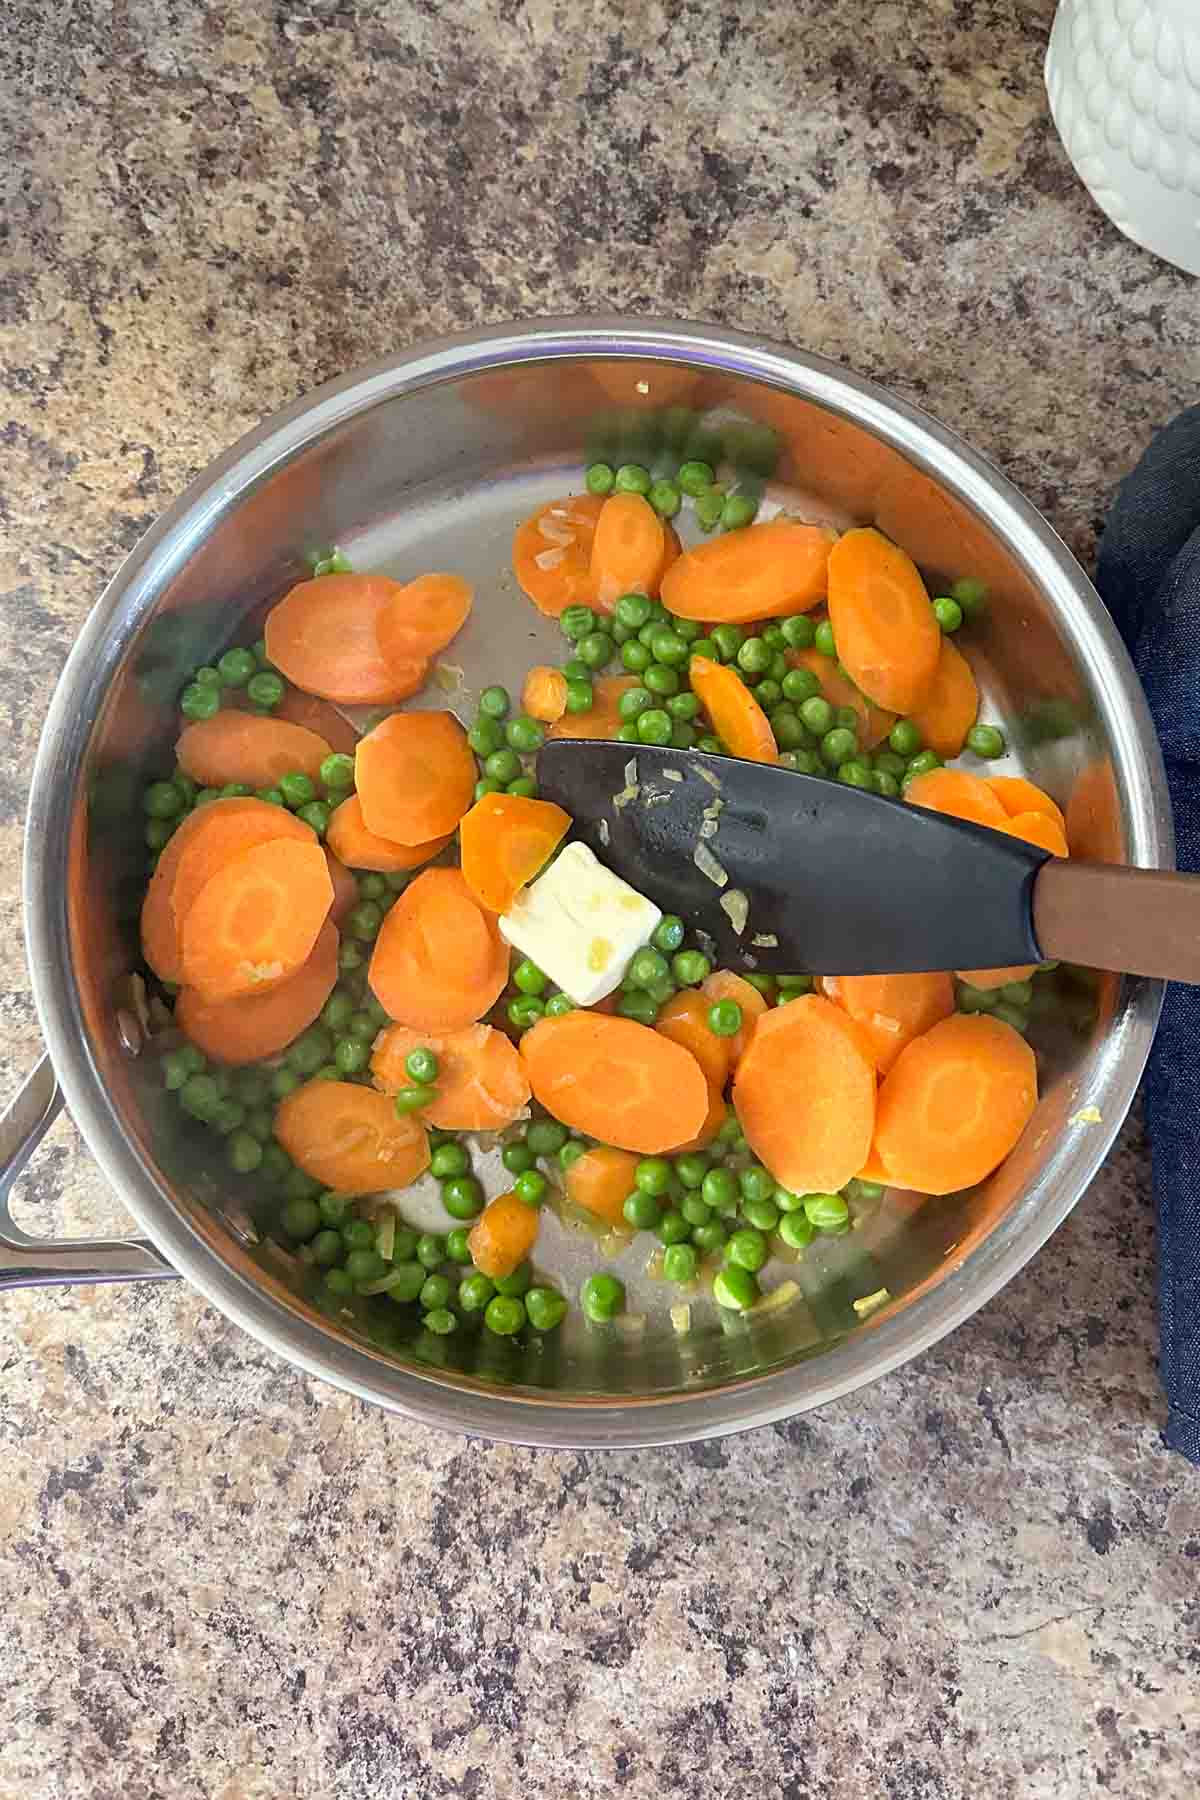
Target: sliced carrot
[
  {"x": 1036, "y": 828},
  {"x": 951, "y": 706},
  {"x": 260, "y": 1025},
  {"x": 883, "y": 621},
  {"x": 324, "y": 636},
  {"x": 348, "y": 837},
  {"x": 552, "y": 554},
  {"x": 256, "y": 919},
  {"x": 805, "y": 1095},
  {"x": 715, "y": 1117},
  {"x": 892, "y": 1010},
  {"x": 684, "y": 1019},
  {"x": 321, "y": 716},
  {"x": 439, "y": 961},
  {"x": 628, "y": 549},
  {"x": 503, "y": 1236},
  {"x": 225, "y": 829},
  {"x": 761, "y": 572},
  {"x": 874, "y": 721},
  {"x": 960, "y": 795},
  {"x": 611, "y": 1078},
  {"x": 345, "y": 888},
  {"x": 600, "y": 1181},
  {"x": 481, "y": 1082},
  {"x": 873, "y": 1169},
  {"x": 672, "y": 549},
  {"x": 737, "y": 718},
  {"x": 421, "y": 617},
  {"x": 603, "y": 719},
  {"x": 247, "y": 747},
  {"x": 212, "y": 824},
  {"x": 415, "y": 775},
  {"x": 505, "y": 839},
  {"x": 955, "y": 1104},
  {"x": 544, "y": 695},
  {"x": 723, "y": 984},
  {"x": 1016, "y": 796},
  {"x": 350, "y": 1138}
]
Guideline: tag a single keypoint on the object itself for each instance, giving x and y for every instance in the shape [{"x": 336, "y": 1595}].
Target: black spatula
[{"x": 792, "y": 873}]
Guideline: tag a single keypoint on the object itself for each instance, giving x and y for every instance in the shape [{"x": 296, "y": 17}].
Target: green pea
[
  {"x": 683, "y": 737},
  {"x": 599, "y": 478},
  {"x": 525, "y": 1011},
  {"x": 200, "y": 1096},
  {"x": 236, "y": 667},
  {"x": 405, "y": 1281},
  {"x": 709, "y": 507},
  {"x": 691, "y": 1167},
  {"x": 654, "y": 726},
  {"x": 725, "y": 1018},
  {"x": 885, "y": 784},
  {"x": 738, "y": 510},
  {"x": 787, "y": 1202},
  {"x": 316, "y": 814},
  {"x": 633, "y": 611},
  {"x": 866, "y": 1190},
  {"x": 528, "y": 977},
  {"x": 337, "y": 772},
  {"x": 412, "y": 1099},
  {"x": 719, "y": 1189},
  {"x": 683, "y": 707},
  {"x": 888, "y": 763},
  {"x": 634, "y": 702},
  {"x": 948, "y": 613},
  {"x": 276, "y": 1163},
  {"x": 665, "y": 498},
  {"x": 337, "y": 1281},
  {"x": 729, "y": 640},
  {"x": 795, "y": 1230},
  {"x": 177, "y": 1066},
  {"x": 503, "y": 766},
  {"x": 358, "y": 1234},
  {"x": 734, "y": 1287},
  {"x": 363, "y": 921},
  {"x": 904, "y": 738},
  {"x": 756, "y": 1183},
  {"x": 516, "y": 1284},
  {"x": 157, "y": 832},
  {"x": 486, "y": 736},
  {"x": 474, "y": 1292},
  {"x": 753, "y": 656},
  {"x": 266, "y": 689},
  {"x": 986, "y": 741},
  {"x": 637, "y": 1004},
  {"x": 558, "y": 1004},
  {"x": 695, "y": 478},
  {"x": 705, "y": 647},
  {"x": 350, "y": 957},
  {"x": 371, "y": 886},
  {"x": 300, "y": 1219},
  {"x": 244, "y": 1151},
  {"x": 570, "y": 1154},
  {"x": 326, "y": 1249},
  {"x": 228, "y": 1117},
  {"x": 545, "y": 1308},
  {"x": 580, "y": 696},
  {"x": 576, "y": 622},
  {"x": 647, "y": 966},
  {"x": 690, "y": 968},
  {"x": 709, "y": 1238},
  {"x": 680, "y": 1263},
  {"x": 494, "y": 703},
  {"x": 296, "y": 788},
  {"x": 602, "y": 1297},
  {"x": 363, "y": 1025},
  {"x": 768, "y": 693},
  {"x": 449, "y": 1160},
  {"x": 652, "y": 1175},
  {"x": 762, "y": 1214},
  {"x": 162, "y": 800},
  {"x": 971, "y": 595},
  {"x": 823, "y": 639},
  {"x": 694, "y": 1210},
  {"x": 517, "y": 1157},
  {"x": 531, "y": 1187},
  {"x": 524, "y": 734},
  {"x": 853, "y": 774},
  {"x": 421, "y": 1065},
  {"x": 431, "y": 1250},
  {"x": 827, "y": 1212},
  {"x": 458, "y": 1245},
  {"x": 199, "y": 702},
  {"x": 798, "y": 631},
  {"x": 364, "y": 1266},
  {"x": 435, "y": 1292},
  {"x": 595, "y": 650},
  {"x": 546, "y": 1137},
  {"x": 632, "y": 478},
  {"x": 525, "y": 786},
  {"x": 923, "y": 763},
  {"x": 747, "y": 1249},
  {"x": 441, "y": 1321},
  {"x": 351, "y": 1056},
  {"x": 1011, "y": 1015},
  {"x": 713, "y": 745},
  {"x": 800, "y": 685},
  {"x": 661, "y": 680},
  {"x": 669, "y": 648},
  {"x": 636, "y": 657},
  {"x": 816, "y": 714},
  {"x": 641, "y": 1210},
  {"x": 672, "y": 1228},
  {"x": 504, "y": 1315}
]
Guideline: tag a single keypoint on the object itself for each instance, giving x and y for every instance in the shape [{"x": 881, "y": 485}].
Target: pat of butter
[{"x": 580, "y": 924}]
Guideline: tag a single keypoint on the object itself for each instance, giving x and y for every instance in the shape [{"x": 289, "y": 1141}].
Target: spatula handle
[{"x": 1142, "y": 921}]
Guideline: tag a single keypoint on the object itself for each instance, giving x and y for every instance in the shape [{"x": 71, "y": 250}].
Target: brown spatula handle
[{"x": 1141, "y": 921}]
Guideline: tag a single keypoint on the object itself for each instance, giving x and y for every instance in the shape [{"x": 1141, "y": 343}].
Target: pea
[
  {"x": 349, "y": 957},
  {"x": 412, "y": 1099},
  {"x": 709, "y": 1238},
  {"x": 546, "y": 1137},
  {"x": 636, "y": 657},
  {"x": 905, "y": 738},
  {"x": 358, "y": 1234},
  {"x": 753, "y": 656},
  {"x": 525, "y": 786},
  {"x": 725, "y": 1018},
  {"x": 176, "y": 1067},
  {"x": 449, "y": 1160},
  {"x": 494, "y": 703},
  {"x": 474, "y": 1292},
  {"x": 1011, "y": 1015},
  {"x": 580, "y": 696},
  {"x": 762, "y": 1214},
  {"x": 695, "y": 478},
  {"x": 200, "y": 1096},
  {"x": 266, "y": 689},
  {"x": 337, "y": 772},
  {"x": 296, "y": 788},
  {"x": 516, "y": 1284},
  {"x": 576, "y": 622},
  {"x": 421, "y": 1065},
  {"x": 924, "y": 762},
  {"x": 558, "y": 1004},
  {"x": 672, "y": 1228},
  {"x": 738, "y": 510},
  {"x": 680, "y": 1263},
  {"x": 654, "y": 726},
  {"x": 570, "y": 1154},
  {"x": 816, "y": 714},
  {"x": 602, "y": 1297},
  {"x": 599, "y": 478},
  {"x": 694, "y": 1210},
  {"x": 986, "y": 741},
  {"x": 316, "y": 814},
  {"x": 300, "y": 1219},
  {"x": 661, "y": 680},
  {"x": 596, "y": 650},
  {"x": 683, "y": 708},
  {"x": 351, "y": 1056},
  {"x": 642, "y": 1210},
  {"x": 504, "y": 1316},
  {"x": 531, "y": 1187},
  {"x": 709, "y": 507},
  {"x": 755, "y": 1183},
  {"x": 948, "y": 613},
  {"x": 1017, "y": 993},
  {"x": 244, "y": 1151},
  {"x": 431, "y": 1250},
  {"x": 486, "y": 736},
  {"x": 634, "y": 702},
  {"x": 798, "y": 631},
  {"x": 163, "y": 800},
  {"x": 885, "y": 784},
  {"x": 823, "y": 639},
  {"x": 665, "y": 498},
  {"x": 545, "y": 1308},
  {"x": 458, "y": 1246},
  {"x": 523, "y": 734},
  {"x": 705, "y": 647},
  {"x": 683, "y": 737},
  {"x": 371, "y": 887},
  {"x": 525, "y": 1011},
  {"x": 670, "y": 649},
  {"x": 888, "y": 763},
  {"x": 768, "y": 693},
  {"x": 336, "y": 1280},
  {"x": 838, "y": 746},
  {"x": 632, "y": 478},
  {"x": 435, "y": 1292},
  {"x": 406, "y": 1279},
  {"x": 276, "y": 1163},
  {"x": 719, "y": 1189},
  {"x": 734, "y": 1287},
  {"x": 363, "y": 1025},
  {"x": 712, "y": 745},
  {"x": 747, "y": 1249},
  {"x": 690, "y": 968},
  {"x": 854, "y": 774},
  {"x": 795, "y": 1230},
  {"x": 517, "y": 1157},
  {"x": 827, "y": 1212}
]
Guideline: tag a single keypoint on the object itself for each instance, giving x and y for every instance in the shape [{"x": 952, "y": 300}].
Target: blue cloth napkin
[{"x": 1149, "y": 577}]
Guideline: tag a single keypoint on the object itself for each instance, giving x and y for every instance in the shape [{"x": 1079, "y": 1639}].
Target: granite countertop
[{"x": 222, "y": 1579}]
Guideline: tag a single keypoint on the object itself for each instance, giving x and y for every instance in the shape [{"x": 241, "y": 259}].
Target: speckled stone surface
[{"x": 220, "y": 1579}]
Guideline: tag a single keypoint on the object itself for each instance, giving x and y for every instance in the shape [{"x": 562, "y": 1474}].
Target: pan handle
[{"x": 45, "y": 1262}]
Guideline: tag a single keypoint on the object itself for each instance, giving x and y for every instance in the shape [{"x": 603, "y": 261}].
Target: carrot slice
[
  {"x": 299, "y": 708},
  {"x": 503, "y": 1235},
  {"x": 505, "y": 839},
  {"x": 256, "y": 920},
  {"x": 350, "y": 1138},
  {"x": 684, "y": 1019},
  {"x": 1036, "y": 828},
  {"x": 259, "y": 1025},
  {"x": 892, "y": 1010},
  {"x": 439, "y": 961},
  {"x": 213, "y": 825},
  {"x": 883, "y": 622},
  {"x": 951, "y": 706},
  {"x": 628, "y": 550},
  {"x": 761, "y": 572},
  {"x": 247, "y": 747},
  {"x": 552, "y": 554},
  {"x": 715, "y": 1117},
  {"x": 324, "y": 636},
  {"x": 544, "y": 695},
  {"x": 348, "y": 837},
  {"x": 1016, "y": 796},
  {"x": 611, "y": 1078},
  {"x": 603, "y": 720},
  {"x": 421, "y": 617},
  {"x": 874, "y": 721},
  {"x": 723, "y": 984},
  {"x": 960, "y": 795},
  {"x": 737, "y": 718},
  {"x": 415, "y": 776},
  {"x": 226, "y": 829},
  {"x": 672, "y": 549},
  {"x": 345, "y": 888},
  {"x": 805, "y": 1095},
  {"x": 481, "y": 1082},
  {"x": 873, "y": 1169},
  {"x": 600, "y": 1181},
  {"x": 955, "y": 1104}
]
